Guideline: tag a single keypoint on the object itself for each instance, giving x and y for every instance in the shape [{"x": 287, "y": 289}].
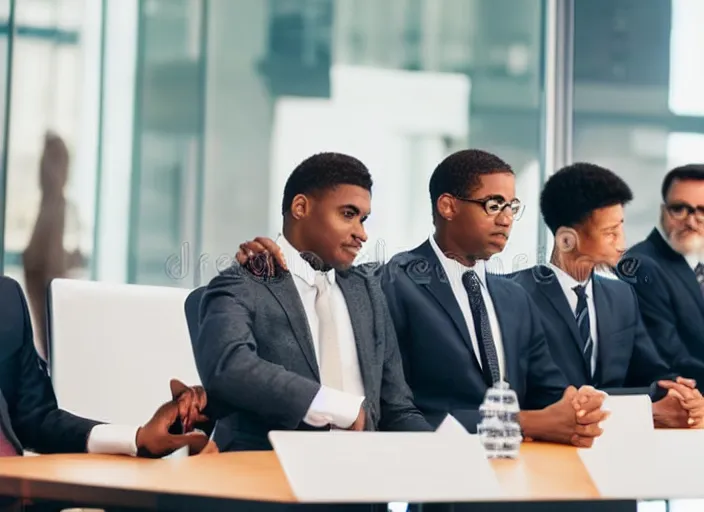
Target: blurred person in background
[{"x": 45, "y": 257}]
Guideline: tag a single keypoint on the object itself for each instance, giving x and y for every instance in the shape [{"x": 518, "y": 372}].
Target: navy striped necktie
[{"x": 584, "y": 324}]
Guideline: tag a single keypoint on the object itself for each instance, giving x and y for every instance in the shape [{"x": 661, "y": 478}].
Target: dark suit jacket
[
  {"x": 438, "y": 356},
  {"x": 670, "y": 301},
  {"x": 29, "y": 415},
  {"x": 626, "y": 356},
  {"x": 255, "y": 353}
]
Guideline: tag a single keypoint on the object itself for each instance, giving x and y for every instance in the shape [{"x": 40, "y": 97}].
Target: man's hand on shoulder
[{"x": 261, "y": 257}]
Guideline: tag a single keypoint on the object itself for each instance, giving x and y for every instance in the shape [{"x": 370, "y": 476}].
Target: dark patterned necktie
[
  {"x": 584, "y": 325},
  {"x": 699, "y": 272},
  {"x": 487, "y": 349}
]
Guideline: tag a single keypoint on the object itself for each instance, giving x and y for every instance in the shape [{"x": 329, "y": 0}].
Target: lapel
[
  {"x": 436, "y": 283},
  {"x": 362, "y": 319},
  {"x": 679, "y": 266},
  {"x": 606, "y": 319},
  {"x": 284, "y": 290},
  {"x": 549, "y": 286}
]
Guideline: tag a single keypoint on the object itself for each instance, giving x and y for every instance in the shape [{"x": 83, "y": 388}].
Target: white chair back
[{"x": 114, "y": 348}]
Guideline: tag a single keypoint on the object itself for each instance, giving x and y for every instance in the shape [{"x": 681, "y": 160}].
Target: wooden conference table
[{"x": 253, "y": 480}]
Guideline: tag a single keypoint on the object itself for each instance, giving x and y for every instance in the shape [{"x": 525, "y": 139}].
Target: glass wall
[
  {"x": 180, "y": 120},
  {"x": 638, "y": 106},
  {"x": 400, "y": 84}
]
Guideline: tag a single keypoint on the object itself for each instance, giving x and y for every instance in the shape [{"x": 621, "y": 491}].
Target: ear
[
  {"x": 446, "y": 206},
  {"x": 566, "y": 240},
  {"x": 300, "y": 206}
]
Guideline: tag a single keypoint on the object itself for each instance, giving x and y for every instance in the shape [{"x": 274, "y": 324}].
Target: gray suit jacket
[{"x": 256, "y": 360}]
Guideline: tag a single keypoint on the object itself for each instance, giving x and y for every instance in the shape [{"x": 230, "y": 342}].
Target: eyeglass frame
[
  {"x": 688, "y": 209},
  {"x": 499, "y": 200}
]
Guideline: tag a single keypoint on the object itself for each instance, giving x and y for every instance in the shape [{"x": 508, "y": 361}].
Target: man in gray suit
[{"x": 312, "y": 346}]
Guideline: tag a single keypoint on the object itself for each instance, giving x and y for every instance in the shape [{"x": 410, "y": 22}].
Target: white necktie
[{"x": 330, "y": 361}]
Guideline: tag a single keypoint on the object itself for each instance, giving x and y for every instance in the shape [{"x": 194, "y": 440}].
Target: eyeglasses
[
  {"x": 680, "y": 211},
  {"x": 493, "y": 206}
]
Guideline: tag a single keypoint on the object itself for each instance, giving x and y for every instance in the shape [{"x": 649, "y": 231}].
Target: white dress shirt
[
  {"x": 113, "y": 439},
  {"x": 567, "y": 283},
  {"x": 330, "y": 406},
  {"x": 454, "y": 271}
]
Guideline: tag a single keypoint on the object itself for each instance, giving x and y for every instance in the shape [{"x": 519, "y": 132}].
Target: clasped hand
[
  {"x": 155, "y": 440},
  {"x": 682, "y": 407},
  {"x": 576, "y": 417}
]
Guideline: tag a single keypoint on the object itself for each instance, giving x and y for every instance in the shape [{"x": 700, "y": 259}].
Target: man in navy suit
[
  {"x": 666, "y": 271},
  {"x": 592, "y": 323},
  {"x": 461, "y": 329}
]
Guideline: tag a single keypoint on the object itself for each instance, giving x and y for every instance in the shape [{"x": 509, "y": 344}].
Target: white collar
[
  {"x": 568, "y": 283},
  {"x": 298, "y": 266},
  {"x": 454, "y": 268}
]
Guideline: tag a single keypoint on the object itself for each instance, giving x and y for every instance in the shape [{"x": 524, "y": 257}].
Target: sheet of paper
[
  {"x": 664, "y": 464},
  {"x": 382, "y": 467},
  {"x": 631, "y": 415},
  {"x": 450, "y": 426}
]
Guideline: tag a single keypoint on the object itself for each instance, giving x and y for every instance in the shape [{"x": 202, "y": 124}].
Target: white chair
[{"x": 114, "y": 348}]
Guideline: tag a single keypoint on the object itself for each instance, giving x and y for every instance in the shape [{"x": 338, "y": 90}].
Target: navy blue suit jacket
[
  {"x": 438, "y": 357},
  {"x": 670, "y": 301},
  {"x": 29, "y": 415},
  {"x": 626, "y": 356}
]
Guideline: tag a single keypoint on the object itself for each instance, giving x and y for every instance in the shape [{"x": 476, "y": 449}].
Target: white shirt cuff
[
  {"x": 333, "y": 407},
  {"x": 113, "y": 439}
]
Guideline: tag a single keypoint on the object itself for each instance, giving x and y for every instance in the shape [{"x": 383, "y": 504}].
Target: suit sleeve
[
  {"x": 659, "y": 319},
  {"x": 646, "y": 366},
  {"x": 36, "y": 419},
  {"x": 230, "y": 368},
  {"x": 545, "y": 382},
  {"x": 398, "y": 412}
]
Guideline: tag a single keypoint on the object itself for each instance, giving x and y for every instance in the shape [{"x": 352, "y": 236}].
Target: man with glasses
[
  {"x": 667, "y": 273},
  {"x": 461, "y": 329}
]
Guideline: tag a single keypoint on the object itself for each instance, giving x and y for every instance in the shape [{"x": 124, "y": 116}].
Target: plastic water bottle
[{"x": 499, "y": 430}]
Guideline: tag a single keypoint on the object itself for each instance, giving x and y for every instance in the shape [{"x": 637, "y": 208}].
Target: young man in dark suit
[
  {"x": 592, "y": 323},
  {"x": 666, "y": 271},
  {"x": 311, "y": 346},
  {"x": 462, "y": 329},
  {"x": 31, "y": 420}
]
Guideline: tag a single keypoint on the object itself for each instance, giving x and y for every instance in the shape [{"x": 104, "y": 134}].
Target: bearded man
[{"x": 667, "y": 273}]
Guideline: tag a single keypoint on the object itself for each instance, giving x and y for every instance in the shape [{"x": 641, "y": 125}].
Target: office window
[
  {"x": 400, "y": 84},
  {"x": 637, "y": 102}
]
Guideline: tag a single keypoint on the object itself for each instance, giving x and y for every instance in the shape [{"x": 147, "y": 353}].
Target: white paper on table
[
  {"x": 383, "y": 467},
  {"x": 450, "y": 426},
  {"x": 664, "y": 464},
  {"x": 631, "y": 415}
]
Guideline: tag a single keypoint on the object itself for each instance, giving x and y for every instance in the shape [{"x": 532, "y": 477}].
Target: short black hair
[
  {"x": 571, "y": 194},
  {"x": 460, "y": 173},
  {"x": 685, "y": 172},
  {"x": 324, "y": 171}
]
